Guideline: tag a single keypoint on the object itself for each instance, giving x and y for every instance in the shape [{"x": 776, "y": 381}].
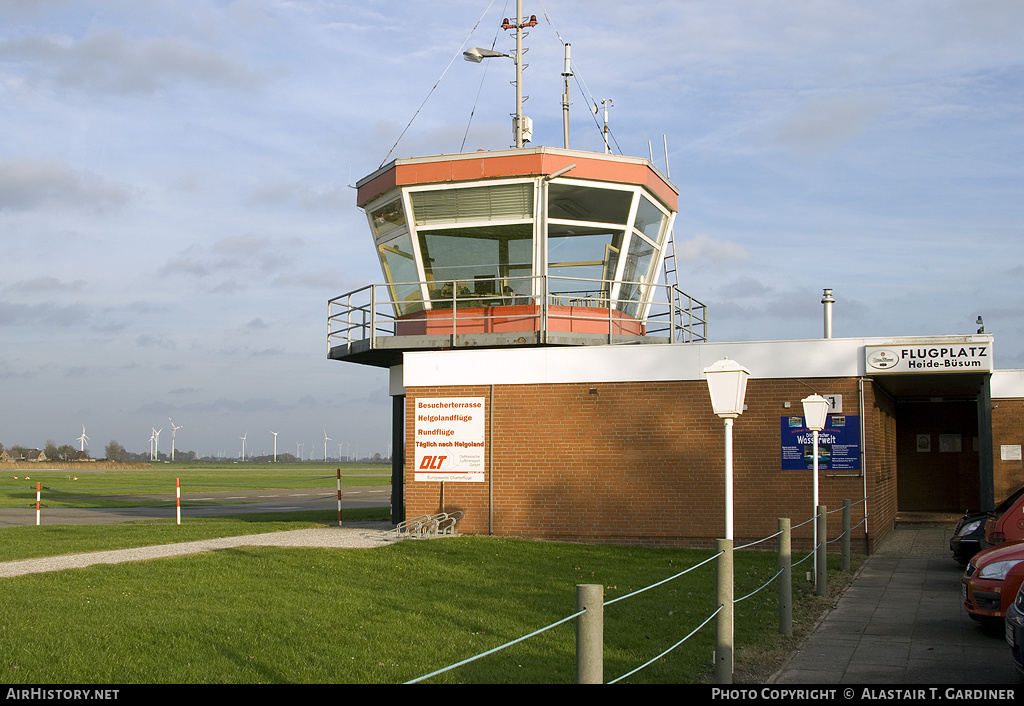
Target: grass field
[
  {"x": 85, "y": 485},
  {"x": 384, "y": 615}
]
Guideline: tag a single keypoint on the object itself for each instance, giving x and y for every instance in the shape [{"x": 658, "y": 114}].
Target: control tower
[
  {"x": 522, "y": 247},
  {"x": 531, "y": 246}
]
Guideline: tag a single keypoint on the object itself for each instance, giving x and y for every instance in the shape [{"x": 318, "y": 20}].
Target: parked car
[
  {"x": 1005, "y": 526},
  {"x": 1014, "y": 627},
  {"x": 992, "y": 580},
  {"x": 969, "y": 536}
]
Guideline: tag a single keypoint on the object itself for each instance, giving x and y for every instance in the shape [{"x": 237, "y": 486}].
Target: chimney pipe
[{"x": 828, "y": 301}]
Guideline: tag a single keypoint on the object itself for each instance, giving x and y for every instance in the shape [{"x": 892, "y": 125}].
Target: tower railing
[{"x": 509, "y": 304}]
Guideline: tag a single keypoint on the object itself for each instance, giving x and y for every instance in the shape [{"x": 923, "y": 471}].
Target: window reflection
[
  {"x": 484, "y": 266},
  {"x": 636, "y": 274},
  {"x": 650, "y": 220},
  {"x": 477, "y": 246},
  {"x": 401, "y": 274},
  {"x": 586, "y": 203},
  {"x": 587, "y": 255},
  {"x": 387, "y": 219}
]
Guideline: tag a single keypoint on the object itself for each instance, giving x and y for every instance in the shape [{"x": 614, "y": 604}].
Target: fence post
[
  {"x": 373, "y": 318},
  {"x": 821, "y": 552},
  {"x": 723, "y": 625},
  {"x": 785, "y": 578},
  {"x": 846, "y": 535},
  {"x": 590, "y": 634}
]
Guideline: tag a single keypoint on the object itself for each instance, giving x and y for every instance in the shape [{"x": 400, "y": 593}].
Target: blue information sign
[{"x": 838, "y": 444}]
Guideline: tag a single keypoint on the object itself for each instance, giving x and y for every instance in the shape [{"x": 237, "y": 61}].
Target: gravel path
[{"x": 363, "y": 536}]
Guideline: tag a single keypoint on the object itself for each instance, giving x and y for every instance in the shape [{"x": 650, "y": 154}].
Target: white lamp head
[
  {"x": 727, "y": 383},
  {"x": 476, "y": 54},
  {"x": 815, "y": 412}
]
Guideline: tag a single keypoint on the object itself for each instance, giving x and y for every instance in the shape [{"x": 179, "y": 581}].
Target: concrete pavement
[{"x": 901, "y": 621}]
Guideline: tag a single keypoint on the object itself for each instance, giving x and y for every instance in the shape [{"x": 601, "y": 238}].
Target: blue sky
[{"x": 175, "y": 201}]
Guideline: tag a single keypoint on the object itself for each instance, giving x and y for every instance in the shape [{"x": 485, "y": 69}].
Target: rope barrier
[
  {"x": 670, "y": 578},
  {"x": 497, "y": 649},
  {"x": 758, "y": 541},
  {"x": 652, "y": 661},
  {"x": 763, "y": 586}
]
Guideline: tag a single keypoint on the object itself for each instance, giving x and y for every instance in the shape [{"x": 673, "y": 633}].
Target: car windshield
[{"x": 1008, "y": 503}]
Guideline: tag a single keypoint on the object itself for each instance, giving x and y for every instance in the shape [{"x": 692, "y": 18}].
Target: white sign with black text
[
  {"x": 450, "y": 439},
  {"x": 929, "y": 358}
]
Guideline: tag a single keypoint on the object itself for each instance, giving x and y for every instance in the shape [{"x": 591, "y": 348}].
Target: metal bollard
[{"x": 590, "y": 634}]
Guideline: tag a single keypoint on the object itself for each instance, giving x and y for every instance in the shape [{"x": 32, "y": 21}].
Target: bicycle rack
[{"x": 426, "y": 526}]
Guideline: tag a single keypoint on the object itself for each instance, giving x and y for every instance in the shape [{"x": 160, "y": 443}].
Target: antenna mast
[
  {"x": 607, "y": 102},
  {"x": 567, "y": 75},
  {"x": 521, "y": 126}
]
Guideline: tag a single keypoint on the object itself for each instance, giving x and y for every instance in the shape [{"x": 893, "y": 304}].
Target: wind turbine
[
  {"x": 174, "y": 430},
  {"x": 156, "y": 443},
  {"x": 83, "y": 440},
  {"x": 275, "y": 445},
  {"x": 326, "y": 439},
  {"x": 151, "y": 437},
  {"x": 243, "y": 444}
]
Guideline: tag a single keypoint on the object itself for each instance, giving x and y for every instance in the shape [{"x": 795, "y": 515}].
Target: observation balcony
[{"x": 363, "y": 326}]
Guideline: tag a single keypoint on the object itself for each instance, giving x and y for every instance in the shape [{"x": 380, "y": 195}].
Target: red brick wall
[
  {"x": 1007, "y": 429},
  {"x": 644, "y": 462}
]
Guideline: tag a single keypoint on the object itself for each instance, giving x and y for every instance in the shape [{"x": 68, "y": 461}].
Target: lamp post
[
  {"x": 727, "y": 383},
  {"x": 815, "y": 413}
]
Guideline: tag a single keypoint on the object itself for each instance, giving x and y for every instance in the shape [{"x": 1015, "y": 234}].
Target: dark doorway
[{"x": 937, "y": 456}]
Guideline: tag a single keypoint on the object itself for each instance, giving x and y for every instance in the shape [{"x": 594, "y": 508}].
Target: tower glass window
[{"x": 486, "y": 242}]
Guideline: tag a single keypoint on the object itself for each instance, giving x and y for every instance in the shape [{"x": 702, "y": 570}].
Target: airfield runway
[{"x": 215, "y": 504}]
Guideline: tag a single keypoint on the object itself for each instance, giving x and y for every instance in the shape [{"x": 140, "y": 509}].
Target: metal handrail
[{"x": 364, "y": 315}]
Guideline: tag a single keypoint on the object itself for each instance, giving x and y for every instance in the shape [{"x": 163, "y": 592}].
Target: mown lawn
[
  {"x": 383, "y": 615},
  {"x": 89, "y": 488}
]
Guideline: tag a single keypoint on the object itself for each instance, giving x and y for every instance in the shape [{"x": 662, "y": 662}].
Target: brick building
[{"x": 545, "y": 383}]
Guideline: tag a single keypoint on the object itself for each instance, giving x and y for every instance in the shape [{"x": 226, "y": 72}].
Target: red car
[
  {"x": 1007, "y": 526},
  {"x": 992, "y": 579}
]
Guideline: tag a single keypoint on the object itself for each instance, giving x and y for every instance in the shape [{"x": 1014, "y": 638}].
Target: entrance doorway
[
  {"x": 943, "y": 423},
  {"x": 937, "y": 456}
]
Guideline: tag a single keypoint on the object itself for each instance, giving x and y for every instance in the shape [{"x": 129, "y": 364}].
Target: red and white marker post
[
  {"x": 178, "y": 491},
  {"x": 339, "y": 497},
  {"x": 38, "y": 488}
]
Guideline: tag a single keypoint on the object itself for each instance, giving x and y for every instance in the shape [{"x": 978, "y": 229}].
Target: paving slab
[{"x": 901, "y": 621}]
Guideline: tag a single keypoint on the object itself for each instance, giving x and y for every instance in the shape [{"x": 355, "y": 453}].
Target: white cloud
[
  {"x": 111, "y": 61},
  {"x": 30, "y": 184},
  {"x": 703, "y": 247}
]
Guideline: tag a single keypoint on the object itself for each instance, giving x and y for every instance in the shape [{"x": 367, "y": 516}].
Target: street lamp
[
  {"x": 727, "y": 383},
  {"x": 476, "y": 54},
  {"x": 815, "y": 413}
]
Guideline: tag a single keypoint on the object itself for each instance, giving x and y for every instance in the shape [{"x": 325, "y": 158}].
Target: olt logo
[{"x": 432, "y": 462}]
